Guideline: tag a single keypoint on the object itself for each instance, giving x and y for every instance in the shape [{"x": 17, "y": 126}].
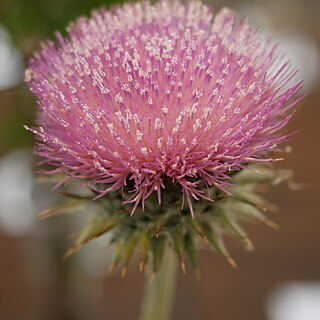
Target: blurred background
[{"x": 280, "y": 280}]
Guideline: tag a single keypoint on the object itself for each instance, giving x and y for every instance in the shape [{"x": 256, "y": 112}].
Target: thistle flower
[{"x": 161, "y": 101}]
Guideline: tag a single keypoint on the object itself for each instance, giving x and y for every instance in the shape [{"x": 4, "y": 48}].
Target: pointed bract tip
[
  {"x": 183, "y": 265},
  {"x": 46, "y": 213},
  {"x": 71, "y": 251},
  {"x": 271, "y": 224},
  {"x": 231, "y": 262},
  {"x": 124, "y": 271},
  {"x": 111, "y": 268},
  {"x": 248, "y": 243},
  {"x": 141, "y": 265}
]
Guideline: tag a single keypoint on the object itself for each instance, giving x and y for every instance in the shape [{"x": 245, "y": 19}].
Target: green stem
[{"x": 158, "y": 300}]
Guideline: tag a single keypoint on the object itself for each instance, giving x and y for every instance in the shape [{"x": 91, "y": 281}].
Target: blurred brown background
[{"x": 280, "y": 280}]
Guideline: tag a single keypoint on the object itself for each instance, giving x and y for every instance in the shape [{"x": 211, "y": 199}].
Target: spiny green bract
[{"x": 150, "y": 232}]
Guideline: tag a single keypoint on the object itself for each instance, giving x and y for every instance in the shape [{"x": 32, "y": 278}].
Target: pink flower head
[{"x": 148, "y": 92}]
